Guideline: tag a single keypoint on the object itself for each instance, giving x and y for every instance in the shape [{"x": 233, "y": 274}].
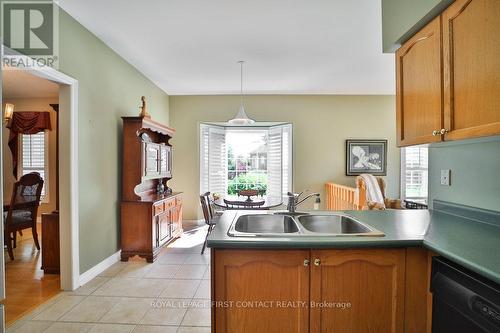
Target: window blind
[
  {"x": 33, "y": 156},
  {"x": 414, "y": 173},
  {"x": 274, "y": 162},
  {"x": 213, "y": 159},
  {"x": 204, "y": 185},
  {"x": 287, "y": 162}
]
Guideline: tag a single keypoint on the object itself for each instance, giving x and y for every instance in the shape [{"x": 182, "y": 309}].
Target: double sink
[{"x": 299, "y": 225}]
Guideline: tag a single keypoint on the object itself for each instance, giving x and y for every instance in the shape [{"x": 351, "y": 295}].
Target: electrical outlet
[{"x": 445, "y": 177}]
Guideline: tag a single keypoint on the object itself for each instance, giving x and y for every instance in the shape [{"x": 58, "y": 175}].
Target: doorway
[
  {"x": 29, "y": 149},
  {"x": 68, "y": 180}
]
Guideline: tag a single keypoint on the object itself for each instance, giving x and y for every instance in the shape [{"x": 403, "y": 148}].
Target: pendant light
[{"x": 241, "y": 117}]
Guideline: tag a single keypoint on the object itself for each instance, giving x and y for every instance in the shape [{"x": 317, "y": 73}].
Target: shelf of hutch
[{"x": 148, "y": 220}]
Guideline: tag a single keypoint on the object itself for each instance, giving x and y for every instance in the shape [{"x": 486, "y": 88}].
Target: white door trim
[{"x": 68, "y": 173}]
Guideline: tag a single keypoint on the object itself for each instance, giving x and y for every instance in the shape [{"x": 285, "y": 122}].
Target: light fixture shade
[
  {"x": 9, "y": 110},
  {"x": 241, "y": 118}
]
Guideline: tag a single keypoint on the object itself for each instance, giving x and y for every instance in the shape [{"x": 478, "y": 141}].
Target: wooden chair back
[
  {"x": 230, "y": 204},
  {"x": 206, "y": 207},
  {"x": 26, "y": 195}
]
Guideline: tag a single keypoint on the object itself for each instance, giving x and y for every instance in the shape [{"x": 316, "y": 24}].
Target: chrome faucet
[{"x": 293, "y": 200}]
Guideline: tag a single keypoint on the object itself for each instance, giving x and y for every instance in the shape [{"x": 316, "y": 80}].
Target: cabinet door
[
  {"x": 357, "y": 290},
  {"x": 419, "y": 97},
  {"x": 151, "y": 160},
  {"x": 156, "y": 232},
  {"x": 471, "y": 49},
  {"x": 254, "y": 279},
  {"x": 163, "y": 221},
  {"x": 176, "y": 219},
  {"x": 165, "y": 161}
]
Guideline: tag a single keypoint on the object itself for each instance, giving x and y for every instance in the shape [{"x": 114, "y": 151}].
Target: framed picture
[{"x": 366, "y": 156}]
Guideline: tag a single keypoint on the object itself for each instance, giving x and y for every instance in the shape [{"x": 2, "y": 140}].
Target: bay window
[{"x": 239, "y": 158}]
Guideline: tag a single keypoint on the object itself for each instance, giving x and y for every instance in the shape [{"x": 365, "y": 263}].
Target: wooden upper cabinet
[
  {"x": 471, "y": 50},
  {"x": 253, "y": 278},
  {"x": 448, "y": 76},
  {"x": 372, "y": 281},
  {"x": 419, "y": 97}
]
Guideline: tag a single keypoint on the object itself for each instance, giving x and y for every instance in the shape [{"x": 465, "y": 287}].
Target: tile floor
[{"x": 170, "y": 295}]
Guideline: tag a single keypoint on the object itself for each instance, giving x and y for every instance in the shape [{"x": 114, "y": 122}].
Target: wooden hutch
[{"x": 148, "y": 220}]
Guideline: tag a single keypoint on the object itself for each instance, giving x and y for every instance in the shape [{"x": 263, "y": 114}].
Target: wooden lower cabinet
[
  {"x": 331, "y": 290},
  {"x": 50, "y": 243},
  {"x": 418, "y": 298},
  {"x": 163, "y": 226},
  {"x": 371, "y": 282},
  {"x": 147, "y": 226},
  {"x": 176, "y": 220},
  {"x": 246, "y": 281}
]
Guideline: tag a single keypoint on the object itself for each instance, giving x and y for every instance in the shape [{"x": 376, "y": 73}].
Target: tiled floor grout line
[
  {"x": 71, "y": 308},
  {"x": 185, "y": 313},
  {"x": 186, "y": 263}
]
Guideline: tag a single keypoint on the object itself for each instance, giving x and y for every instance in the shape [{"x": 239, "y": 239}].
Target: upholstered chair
[{"x": 372, "y": 193}]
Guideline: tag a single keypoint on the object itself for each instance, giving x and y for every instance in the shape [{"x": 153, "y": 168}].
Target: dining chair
[
  {"x": 230, "y": 204},
  {"x": 22, "y": 211},
  {"x": 210, "y": 217}
]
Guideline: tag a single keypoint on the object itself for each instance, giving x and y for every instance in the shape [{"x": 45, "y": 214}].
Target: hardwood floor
[{"x": 25, "y": 283}]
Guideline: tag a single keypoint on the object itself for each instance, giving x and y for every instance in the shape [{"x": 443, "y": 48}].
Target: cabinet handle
[
  {"x": 443, "y": 131},
  {"x": 317, "y": 262},
  {"x": 306, "y": 262},
  {"x": 435, "y": 132}
]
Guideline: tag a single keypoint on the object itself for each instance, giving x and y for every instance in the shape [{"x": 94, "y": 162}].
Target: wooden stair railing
[{"x": 341, "y": 197}]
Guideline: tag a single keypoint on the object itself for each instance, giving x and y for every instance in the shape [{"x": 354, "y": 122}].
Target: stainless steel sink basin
[
  {"x": 263, "y": 225},
  {"x": 337, "y": 224},
  {"x": 283, "y": 225}
]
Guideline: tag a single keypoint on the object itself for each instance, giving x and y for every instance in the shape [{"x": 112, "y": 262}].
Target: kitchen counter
[{"x": 472, "y": 244}]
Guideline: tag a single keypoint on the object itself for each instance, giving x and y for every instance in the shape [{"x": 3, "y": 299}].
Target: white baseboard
[{"x": 99, "y": 268}]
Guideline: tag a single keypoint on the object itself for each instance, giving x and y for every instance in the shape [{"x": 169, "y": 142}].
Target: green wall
[
  {"x": 109, "y": 88},
  {"x": 403, "y": 18},
  {"x": 321, "y": 124},
  {"x": 474, "y": 173}
]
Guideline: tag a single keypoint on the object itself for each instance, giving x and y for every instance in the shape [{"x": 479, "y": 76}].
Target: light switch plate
[{"x": 445, "y": 177}]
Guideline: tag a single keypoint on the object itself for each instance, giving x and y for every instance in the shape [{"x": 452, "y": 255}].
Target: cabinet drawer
[
  {"x": 157, "y": 209},
  {"x": 169, "y": 204}
]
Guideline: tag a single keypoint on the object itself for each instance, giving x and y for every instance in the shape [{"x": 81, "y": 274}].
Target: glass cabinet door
[
  {"x": 152, "y": 160},
  {"x": 165, "y": 161}
]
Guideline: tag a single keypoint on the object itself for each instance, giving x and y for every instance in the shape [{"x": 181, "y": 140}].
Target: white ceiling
[
  {"x": 21, "y": 84},
  {"x": 290, "y": 46}
]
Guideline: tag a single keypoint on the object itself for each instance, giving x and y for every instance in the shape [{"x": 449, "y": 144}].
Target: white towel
[{"x": 373, "y": 192}]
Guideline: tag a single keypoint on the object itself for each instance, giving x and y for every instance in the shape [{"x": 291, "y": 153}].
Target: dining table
[{"x": 270, "y": 202}]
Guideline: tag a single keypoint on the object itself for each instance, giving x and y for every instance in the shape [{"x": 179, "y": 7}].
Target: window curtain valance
[{"x": 25, "y": 123}]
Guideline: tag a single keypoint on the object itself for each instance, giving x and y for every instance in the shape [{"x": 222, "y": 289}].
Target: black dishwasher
[{"x": 462, "y": 300}]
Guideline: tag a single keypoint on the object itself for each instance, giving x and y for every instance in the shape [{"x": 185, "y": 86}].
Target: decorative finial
[{"x": 144, "y": 113}]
